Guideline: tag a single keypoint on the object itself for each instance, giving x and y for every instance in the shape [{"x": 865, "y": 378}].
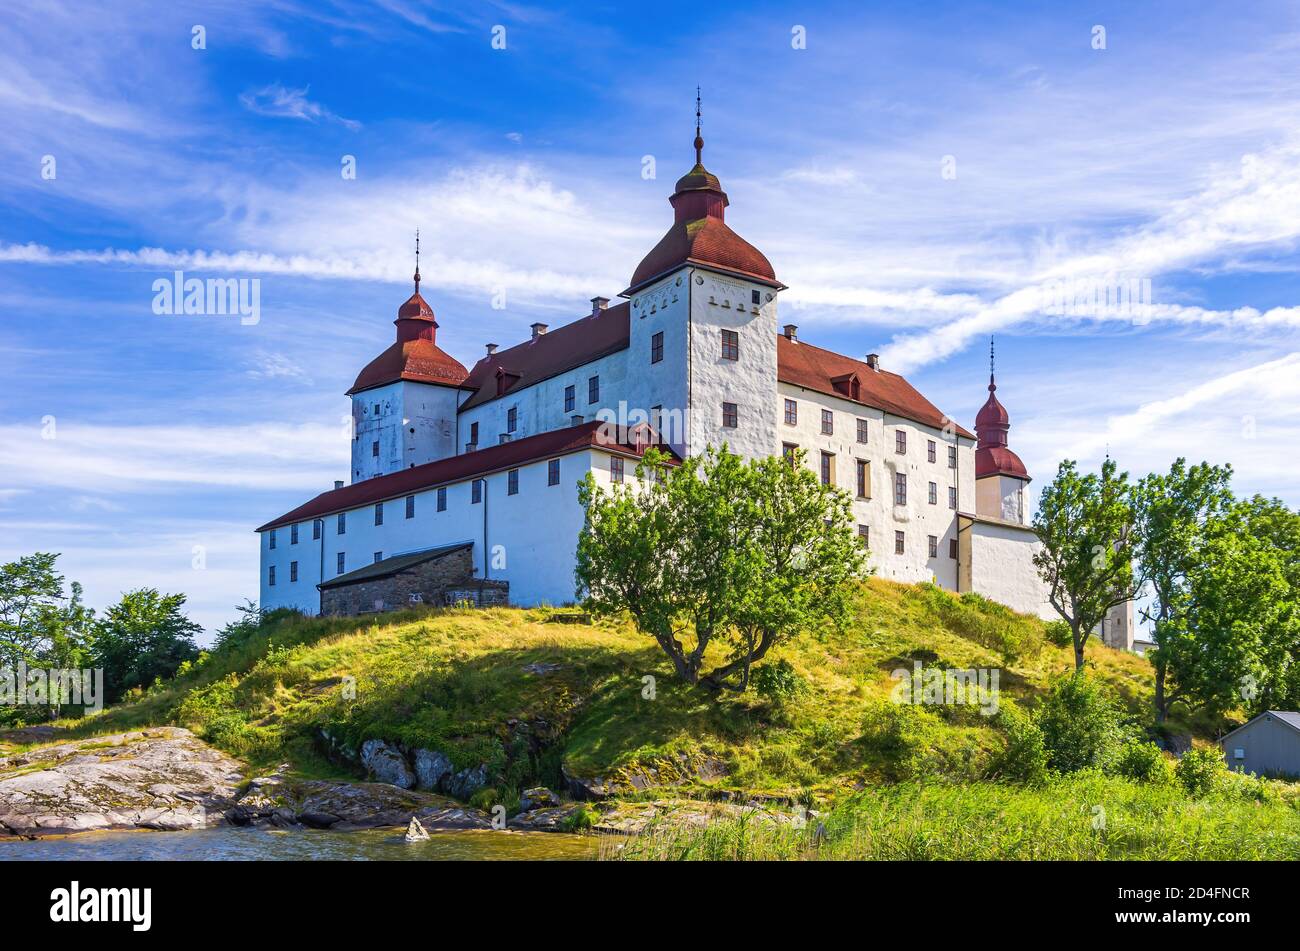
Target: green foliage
[
  {"x": 777, "y": 681},
  {"x": 718, "y": 551},
  {"x": 1058, "y": 633},
  {"x": 1142, "y": 761},
  {"x": 1025, "y": 759},
  {"x": 1084, "y": 523},
  {"x": 142, "y": 638},
  {"x": 1080, "y": 722},
  {"x": 581, "y": 819},
  {"x": 1201, "y": 771}
]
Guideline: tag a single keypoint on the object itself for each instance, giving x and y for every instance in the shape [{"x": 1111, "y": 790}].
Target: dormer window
[{"x": 848, "y": 384}]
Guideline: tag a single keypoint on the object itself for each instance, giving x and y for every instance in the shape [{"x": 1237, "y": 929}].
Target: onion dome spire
[
  {"x": 992, "y": 423},
  {"x": 699, "y": 140},
  {"x": 417, "y": 260}
]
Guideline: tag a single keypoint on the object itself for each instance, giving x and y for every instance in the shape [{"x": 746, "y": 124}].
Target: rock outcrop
[{"x": 161, "y": 778}]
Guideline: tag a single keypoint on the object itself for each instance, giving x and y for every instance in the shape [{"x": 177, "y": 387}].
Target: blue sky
[{"x": 1172, "y": 155}]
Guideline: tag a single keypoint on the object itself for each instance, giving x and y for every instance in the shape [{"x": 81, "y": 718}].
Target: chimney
[
  {"x": 598, "y": 304},
  {"x": 792, "y": 333},
  {"x": 491, "y": 349},
  {"x": 538, "y": 330},
  {"x": 873, "y": 361},
  {"x": 338, "y": 484}
]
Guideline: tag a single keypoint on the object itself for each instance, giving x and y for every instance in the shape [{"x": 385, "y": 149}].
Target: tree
[
  {"x": 1084, "y": 523},
  {"x": 1171, "y": 516},
  {"x": 29, "y": 587},
  {"x": 721, "y": 552},
  {"x": 143, "y": 637}
]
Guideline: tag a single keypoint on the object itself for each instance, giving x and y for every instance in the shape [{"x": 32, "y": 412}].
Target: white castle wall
[{"x": 413, "y": 423}]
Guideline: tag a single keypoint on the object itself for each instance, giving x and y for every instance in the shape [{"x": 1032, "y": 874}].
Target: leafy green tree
[
  {"x": 1081, "y": 723},
  {"x": 1172, "y": 513},
  {"x": 143, "y": 637},
  {"x": 718, "y": 552},
  {"x": 1277, "y": 527},
  {"x": 1084, "y": 522},
  {"x": 29, "y": 588}
]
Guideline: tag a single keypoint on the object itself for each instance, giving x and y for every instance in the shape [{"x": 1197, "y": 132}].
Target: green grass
[
  {"x": 455, "y": 680},
  {"x": 1085, "y": 816}
]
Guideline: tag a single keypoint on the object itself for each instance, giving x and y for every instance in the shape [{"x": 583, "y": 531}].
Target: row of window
[
  {"x": 862, "y": 470},
  {"x": 900, "y": 435},
  {"x": 900, "y": 542},
  {"x": 571, "y": 394}
]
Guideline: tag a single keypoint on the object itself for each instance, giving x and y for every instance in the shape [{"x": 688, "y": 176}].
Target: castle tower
[
  {"x": 711, "y": 296},
  {"x": 404, "y": 402},
  {"x": 1000, "y": 476}
]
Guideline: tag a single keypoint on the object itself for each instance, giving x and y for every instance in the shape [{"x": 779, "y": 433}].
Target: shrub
[
  {"x": 777, "y": 682},
  {"x": 1080, "y": 723},
  {"x": 581, "y": 819},
  {"x": 1201, "y": 771},
  {"x": 1059, "y": 633},
  {"x": 1143, "y": 761},
  {"x": 1025, "y": 758}
]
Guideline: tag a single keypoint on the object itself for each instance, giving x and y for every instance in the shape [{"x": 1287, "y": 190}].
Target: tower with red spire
[
  {"x": 1000, "y": 476},
  {"x": 404, "y": 401}
]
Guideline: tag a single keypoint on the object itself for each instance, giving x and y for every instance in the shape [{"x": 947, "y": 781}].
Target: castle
[{"x": 464, "y": 482}]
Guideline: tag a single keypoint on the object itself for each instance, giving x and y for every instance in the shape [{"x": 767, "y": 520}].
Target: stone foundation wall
[{"x": 431, "y": 580}]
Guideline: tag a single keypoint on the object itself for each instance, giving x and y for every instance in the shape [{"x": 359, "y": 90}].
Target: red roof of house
[
  {"x": 590, "y": 338},
  {"x": 992, "y": 457},
  {"x": 558, "y": 442},
  {"x": 415, "y": 356},
  {"x": 802, "y": 364}
]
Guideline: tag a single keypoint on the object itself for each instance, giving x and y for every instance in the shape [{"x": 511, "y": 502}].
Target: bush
[
  {"x": 581, "y": 819},
  {"x": 1080, "y": 723},
  {"x": 1143, "y": 761},
  {"x": 1059, "y": 633},
  {"x": 1025, "y": 758},
  {"x": 1201, "y": 771},
  {"x": 777, "y": 682}
]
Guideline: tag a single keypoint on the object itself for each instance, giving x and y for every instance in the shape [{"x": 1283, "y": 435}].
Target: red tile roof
[
  {"x": 708, "y": 242},
  {"x": 558, "y": 442},
  {"x": 414, "y": 356},
  {"x": 992, "y": 457},
  {"x": 802, "y": 364},
  {"x": 999, "y": 460},
  {"x": 550, "y": 354}
]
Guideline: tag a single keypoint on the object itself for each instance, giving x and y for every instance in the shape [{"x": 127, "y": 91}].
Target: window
[
  {"x": 593, "y": 390},
  {"x": 930, "y": 451},
  {"x": 293, "y": 571},
  {"x": 864, "y": 478},
  {"x": 376, "y": 409},
  {"x": 828, "y": 468},
  {"x": 410, "y": 506},
  {"x": 317, "y": 526},
  {"x": 512, "y": 482},
  {"x": 340, "y": 563},
  {"x": 616, "y": 469},
  {"x": 899, "y": 543},
  {"x": 293, "y": 534},
  {"x": 473, "y": 433},
  {"x": 934, "y": 546},
  {"x": 379, "y": 513},
  {"x": 341, "y": 525},
  {"x": 374, "y": 449},
  {"x": 828, "y": 422},
  {"x": 753, "y": 297},
  {"x": 788, "y": 450},
  {"x": 934, "y": 493},
  {"x": 862, "y": 430},
  {"x": 657, "y": 347},
  {"x": 791, "y": 413},
  {"x": 270, "y": 576},
  {"x": 730, "y": 345},
  {"x": 512, "y": 419},
  {"x": 952, "y": 457},
  {"x": 271, "y": 543},
  {"x": 952, "y": 548},
  {"x": 570, "y": 398},
  {"x": 442, "y": 498},
  {"x": 553, "y": 472},
  {"x": 952, "y": 496},
  {"x": 900, "y": 488},
  {"x": 476, "y": 492},
  {"x": 864, "y": 535},
  {"x": 730, "y": 415},
  {"x": 900, "y": 441},
  {"x": 379, "y": 556}
]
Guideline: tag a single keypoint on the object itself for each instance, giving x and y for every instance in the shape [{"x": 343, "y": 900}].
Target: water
[{"x": 233, "y": 844}]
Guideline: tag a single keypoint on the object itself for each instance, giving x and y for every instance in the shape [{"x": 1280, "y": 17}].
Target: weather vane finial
[
  {"x": 699, "y": 142},
  {"x": 417, "y": 260},
  {"x": 992, "y": 385}
]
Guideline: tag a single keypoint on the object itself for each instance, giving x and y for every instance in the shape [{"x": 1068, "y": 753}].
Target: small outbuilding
[
  {"x": 433, "y": 576},
  {"x": 1268, "y": 745}
]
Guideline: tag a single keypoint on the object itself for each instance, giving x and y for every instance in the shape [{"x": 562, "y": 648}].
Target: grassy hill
[{"x": 527, "y": 695}]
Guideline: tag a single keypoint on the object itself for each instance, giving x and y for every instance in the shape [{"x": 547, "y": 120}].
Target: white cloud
[{"x": 278, "y": 100}]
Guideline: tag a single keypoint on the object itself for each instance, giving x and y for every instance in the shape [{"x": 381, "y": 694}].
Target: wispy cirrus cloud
[{"x": 282, "y": 102}]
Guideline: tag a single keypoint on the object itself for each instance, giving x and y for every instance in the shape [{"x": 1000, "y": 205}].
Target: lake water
[{"x": 234, "y": 844}]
